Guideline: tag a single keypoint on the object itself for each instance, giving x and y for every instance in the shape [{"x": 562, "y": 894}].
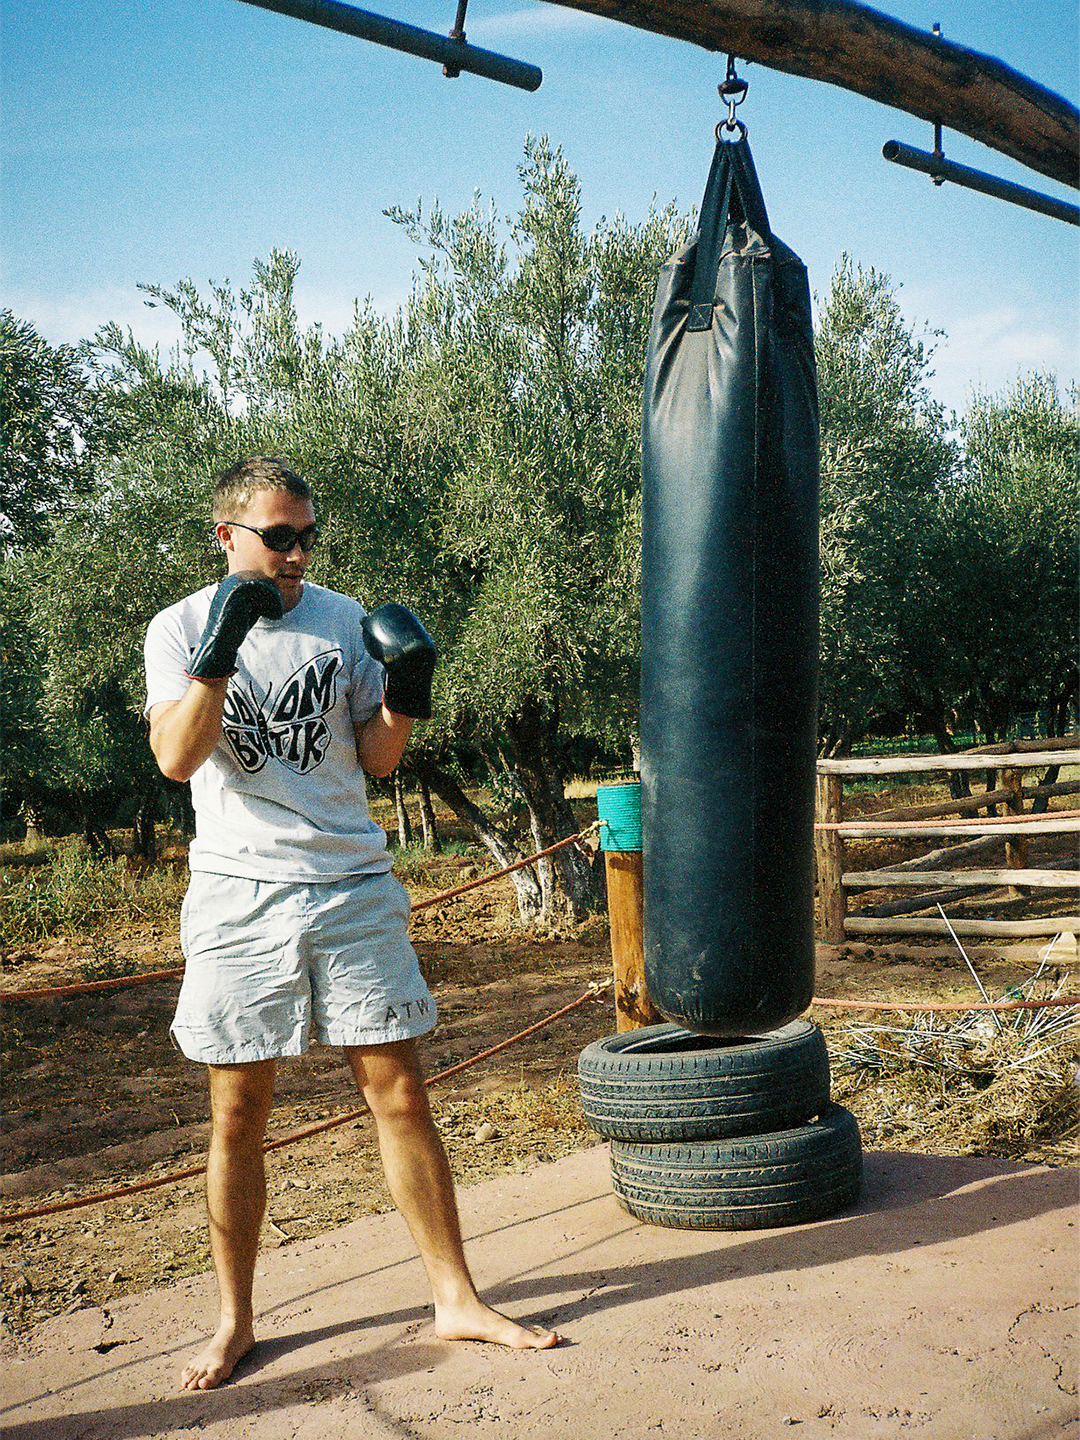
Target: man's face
[{"x": 245, "y": 550}]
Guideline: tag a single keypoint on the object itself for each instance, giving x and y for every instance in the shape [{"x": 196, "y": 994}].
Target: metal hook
[
  {"x": 731, "y": 131},
  {"x": 457, "y": 33},
  {"x": 733, "y": 93}
]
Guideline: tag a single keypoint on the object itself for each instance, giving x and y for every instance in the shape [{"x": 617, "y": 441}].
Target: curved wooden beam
[{"x": 860, "y": 49}]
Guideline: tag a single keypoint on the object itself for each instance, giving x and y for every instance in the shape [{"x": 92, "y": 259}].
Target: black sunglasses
[{"x": 281, "y": 538}]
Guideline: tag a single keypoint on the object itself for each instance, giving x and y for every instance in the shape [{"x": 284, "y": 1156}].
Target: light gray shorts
[{"x": 272, "y": 964}]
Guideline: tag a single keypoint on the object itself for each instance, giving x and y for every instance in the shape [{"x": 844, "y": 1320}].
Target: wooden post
[
  {"x": 829, "y": 851},
  {"x": 1016, "y": 849},
  {"x": 624, "y": 893}
]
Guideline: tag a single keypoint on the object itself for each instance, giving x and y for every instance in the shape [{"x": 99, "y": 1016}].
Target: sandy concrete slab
[{"x": 943, "y": 1306}]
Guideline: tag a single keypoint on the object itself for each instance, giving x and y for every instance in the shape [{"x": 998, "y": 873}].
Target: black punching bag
[{"x": 730, "y": 621}]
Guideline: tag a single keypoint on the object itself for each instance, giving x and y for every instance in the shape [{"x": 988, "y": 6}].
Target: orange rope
[
  {"x": 498, "y": 874},
  {"x": 322, "y": 1126},
  {"x": 89, "y": 985},
  {"x": 592, "y": 993},
  {"x": 289, "y": 1139},
  {"x": 125, "y": 980}
]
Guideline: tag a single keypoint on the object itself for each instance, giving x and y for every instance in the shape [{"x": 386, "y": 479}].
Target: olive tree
[
  {"x": 475, "y": 456},
  {"x": 525, "y": 359},
  {"x": 136, "y": 540},
  {"x": 999, "y": 595},
  {"x": 885, "y": 457},
  {"x": 44, "y": 457}
]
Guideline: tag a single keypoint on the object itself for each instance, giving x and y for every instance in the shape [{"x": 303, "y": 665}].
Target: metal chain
[{"x": 733, "y": 93}]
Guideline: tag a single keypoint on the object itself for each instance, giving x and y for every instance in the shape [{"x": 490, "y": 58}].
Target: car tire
[
  {"x": 749, "y": 1183},
  {"x": 664, "y": 1083}
]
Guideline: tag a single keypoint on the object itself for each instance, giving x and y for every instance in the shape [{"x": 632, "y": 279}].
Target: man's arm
[
  {"x": 183, "y": 733},
  {"x": 381, "y": 741}
]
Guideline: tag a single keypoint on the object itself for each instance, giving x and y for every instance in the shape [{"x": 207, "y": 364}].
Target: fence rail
[
  {"x": 911, "y": 764},
  {"x": 1017, "y": 827}
]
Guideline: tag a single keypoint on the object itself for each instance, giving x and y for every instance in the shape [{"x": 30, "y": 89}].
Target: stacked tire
[{"x": 719, "y": 1134}]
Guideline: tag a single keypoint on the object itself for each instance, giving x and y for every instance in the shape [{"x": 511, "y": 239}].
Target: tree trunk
[
  {"x": 499, "y": 841},
  {"x": 432, "y": 843},
  {"x": 836, "y": 744},
  {"x": 145, "y": 835},
  {"x": 567, "y": 881},
  {"x": 187, "y": 809},
  {"x": 1067, "y": 695},
  {"x": 404, "y": 824},
  {"x": 94, "y": 834},
  {"x": 959, "y": 788},
  {"x": 1041, "y": 803},
  {"x": 31, "y": 817},
  {"x": 991, "y": 784}
]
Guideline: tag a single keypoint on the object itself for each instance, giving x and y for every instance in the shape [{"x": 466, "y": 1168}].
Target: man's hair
[{"x": 235, "y": 489}]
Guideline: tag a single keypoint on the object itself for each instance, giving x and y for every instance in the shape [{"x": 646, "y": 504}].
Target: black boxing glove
[
  {"x": 238, "y": 602},
  {"x": 395, "y": 637}
]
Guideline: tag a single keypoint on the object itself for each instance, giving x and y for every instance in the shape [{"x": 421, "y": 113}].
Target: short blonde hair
[{"x": 235, "y": 489}]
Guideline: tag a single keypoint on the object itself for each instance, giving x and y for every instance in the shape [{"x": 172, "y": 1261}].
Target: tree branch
[{"x": 860, "y": 49}]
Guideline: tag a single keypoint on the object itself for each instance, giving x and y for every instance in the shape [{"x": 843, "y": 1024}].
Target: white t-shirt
[{"x": 282, "y": 797}]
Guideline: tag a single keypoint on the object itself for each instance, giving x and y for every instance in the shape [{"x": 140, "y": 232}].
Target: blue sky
[{"x": 149, "y": 142}]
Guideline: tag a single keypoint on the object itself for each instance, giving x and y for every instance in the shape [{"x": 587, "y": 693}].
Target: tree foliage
[
  {"x": 998, "y": 613},
  {"x": 117, "y": 553},
  {"x": 475, "y": 455},
  {"x": 948, "y": 563},
  {"x": 526, "y": 349},
  {"x": 885, "y": 457},
  {"x": 43, "y": 458}
]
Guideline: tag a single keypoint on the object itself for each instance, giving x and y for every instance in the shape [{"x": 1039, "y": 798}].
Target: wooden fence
[{"x": 1022, "y": 831}]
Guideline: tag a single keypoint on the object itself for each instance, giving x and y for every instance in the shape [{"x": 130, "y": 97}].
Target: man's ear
[{"x": 223, "y": 534}]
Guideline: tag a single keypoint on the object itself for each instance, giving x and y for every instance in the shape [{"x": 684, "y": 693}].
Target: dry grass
[
  {"x": 980, "y": 1083},
  {"x": 67, "y": 890},
  {"x": 522, "y": 1125}
]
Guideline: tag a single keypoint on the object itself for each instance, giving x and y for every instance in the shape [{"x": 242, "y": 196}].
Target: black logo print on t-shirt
[{"x": 288, "y": 726}]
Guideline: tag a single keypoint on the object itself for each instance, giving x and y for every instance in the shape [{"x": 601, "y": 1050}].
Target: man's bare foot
[
  {"x": 473, "y": 1320},
  {"x": 213, "y": 1365}
]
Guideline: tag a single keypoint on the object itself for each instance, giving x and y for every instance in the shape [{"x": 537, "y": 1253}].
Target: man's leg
[
  {"x": 421, "y": 1186},
  {"x": 240, "y": 1099}
]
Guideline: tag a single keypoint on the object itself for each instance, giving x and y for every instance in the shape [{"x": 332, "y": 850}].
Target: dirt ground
[
  {"x": 941, "y": 1306},
  {"x": 96, "y": 1096}
]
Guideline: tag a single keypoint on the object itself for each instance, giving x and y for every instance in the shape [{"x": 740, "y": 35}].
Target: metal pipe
[
  {"x": 454, "y": 54},
  {"x": 939, "y": 169}
]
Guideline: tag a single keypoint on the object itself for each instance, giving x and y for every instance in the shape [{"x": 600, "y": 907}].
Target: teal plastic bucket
[{"x": 619, "y": 807}]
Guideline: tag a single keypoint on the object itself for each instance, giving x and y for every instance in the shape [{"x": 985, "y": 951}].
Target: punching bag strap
[
  {"x": 712, "y": 228},
  {"x": 749, "y": 187},
  {"x": 732, "y": 171}
]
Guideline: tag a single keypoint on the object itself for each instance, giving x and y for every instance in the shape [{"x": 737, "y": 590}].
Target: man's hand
[
  {"x": 395, "y": 637},
  {"x": 238, "y": 602}
]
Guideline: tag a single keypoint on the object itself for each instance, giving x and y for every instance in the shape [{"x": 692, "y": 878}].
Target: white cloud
[
  {"x": 67, "y": 319},
  {"x": 986, "y": 350},
  {"x": 540, "y": 19}
]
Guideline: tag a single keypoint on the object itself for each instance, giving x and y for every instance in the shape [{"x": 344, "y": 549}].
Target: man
[{"x": 272, "y": 695}]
